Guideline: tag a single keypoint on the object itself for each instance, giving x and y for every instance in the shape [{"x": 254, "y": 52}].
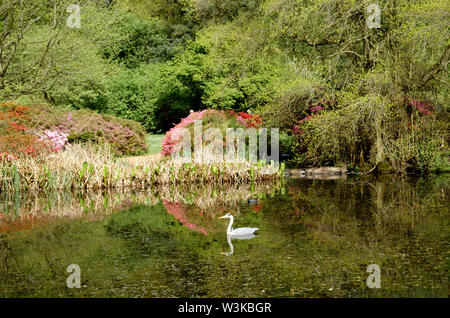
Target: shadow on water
[{"x": 316, "y": 238}]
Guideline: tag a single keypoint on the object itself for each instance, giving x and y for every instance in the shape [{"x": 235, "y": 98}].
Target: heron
[{"x": 242, "y": 231}]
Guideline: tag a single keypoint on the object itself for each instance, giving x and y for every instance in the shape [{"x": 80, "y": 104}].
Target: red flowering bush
[
  {"x": 248, "y": 120},
  {"x": 210, "y": 118},
  {"x": 173, "y": 136},
  {"x": 15, "y": 141}
]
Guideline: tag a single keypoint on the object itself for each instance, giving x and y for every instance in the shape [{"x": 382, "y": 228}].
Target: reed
[{"x": 94, "y": 167}]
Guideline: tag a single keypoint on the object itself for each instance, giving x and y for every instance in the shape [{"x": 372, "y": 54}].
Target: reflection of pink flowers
[{"x": 177, "y": 211}]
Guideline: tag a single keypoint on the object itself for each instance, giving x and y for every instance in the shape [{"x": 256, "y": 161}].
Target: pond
[{"x": 316, "y": 238}]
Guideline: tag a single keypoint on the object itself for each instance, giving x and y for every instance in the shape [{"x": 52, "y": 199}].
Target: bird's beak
[{"x": 222, "y": 217}]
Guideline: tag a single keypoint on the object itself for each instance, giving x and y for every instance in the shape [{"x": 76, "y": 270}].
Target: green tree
[
  {"x": 144, "y": 41},
  {"x": 41, "y": 55}
]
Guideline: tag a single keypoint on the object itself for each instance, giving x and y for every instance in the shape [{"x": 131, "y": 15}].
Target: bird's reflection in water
[{"x": 236, "y": 237}]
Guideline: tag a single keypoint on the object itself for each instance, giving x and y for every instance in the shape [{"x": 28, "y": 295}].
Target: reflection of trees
[
  {"x": 382, "y": 203},
  {"x": 22, "y": 211},
  {"x": 339, "y": 228}
]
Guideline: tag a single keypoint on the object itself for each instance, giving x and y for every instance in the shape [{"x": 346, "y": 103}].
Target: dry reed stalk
[{"x": 89, "y": 167}]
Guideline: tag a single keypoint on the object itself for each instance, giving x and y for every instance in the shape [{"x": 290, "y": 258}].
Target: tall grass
[{"x": 94, "y": 167}]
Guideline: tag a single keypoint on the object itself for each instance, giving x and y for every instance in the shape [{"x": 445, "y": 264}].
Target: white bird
[{"x": 242, "y": 231}]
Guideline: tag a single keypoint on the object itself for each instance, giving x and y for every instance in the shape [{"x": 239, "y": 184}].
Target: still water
[{"x": 316, "y": 238}]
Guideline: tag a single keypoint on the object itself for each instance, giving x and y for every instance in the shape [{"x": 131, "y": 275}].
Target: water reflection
[
  {"x": 317, "y": 239},
  {"x": 236, "y": 237},
  {"x": 19, "y": 211}
]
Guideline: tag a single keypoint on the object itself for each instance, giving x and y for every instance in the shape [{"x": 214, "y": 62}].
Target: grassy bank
[
  {"x": 90, "y": 167},
  {"x": 154, "y": 143}
]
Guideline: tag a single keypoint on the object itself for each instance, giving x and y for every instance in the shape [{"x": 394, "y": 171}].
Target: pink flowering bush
[
  {"x": 173, "y": 136},
  {"x": 210, "y": 118},
  {"x": 57, "y": 140},
  {"x": 124, "y": 136}
]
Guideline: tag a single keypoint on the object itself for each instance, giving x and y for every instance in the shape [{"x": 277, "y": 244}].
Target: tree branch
[{"x": 436, "y": 68}]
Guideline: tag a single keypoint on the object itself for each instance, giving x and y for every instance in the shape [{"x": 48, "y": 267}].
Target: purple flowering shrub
[
  {"x": 126, "y": 137},
  {"x": 87, "y": 126}
]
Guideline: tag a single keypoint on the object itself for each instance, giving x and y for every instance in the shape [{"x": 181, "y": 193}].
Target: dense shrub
[
  {"x": 55, "y": 127},
  {"x": 124, "y": 136}
]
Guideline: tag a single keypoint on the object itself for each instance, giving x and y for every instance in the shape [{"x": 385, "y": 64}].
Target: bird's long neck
[{"x": 229, "y": 229}]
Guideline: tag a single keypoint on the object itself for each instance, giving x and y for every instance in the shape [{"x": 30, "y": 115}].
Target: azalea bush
[
  {"x": 210, "y": 118},
  {"x": 39, "y": 127},
  {"x": 57, "y": 140},
  {"x": 125, "y": 136},
  {"x": 15, "y": 139}
]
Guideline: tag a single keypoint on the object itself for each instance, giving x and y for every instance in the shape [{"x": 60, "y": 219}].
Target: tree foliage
[{"x": 155, "y": 61}]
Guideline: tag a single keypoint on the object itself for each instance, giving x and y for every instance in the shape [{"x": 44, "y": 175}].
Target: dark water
[{"x": 316, "y": 239}]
